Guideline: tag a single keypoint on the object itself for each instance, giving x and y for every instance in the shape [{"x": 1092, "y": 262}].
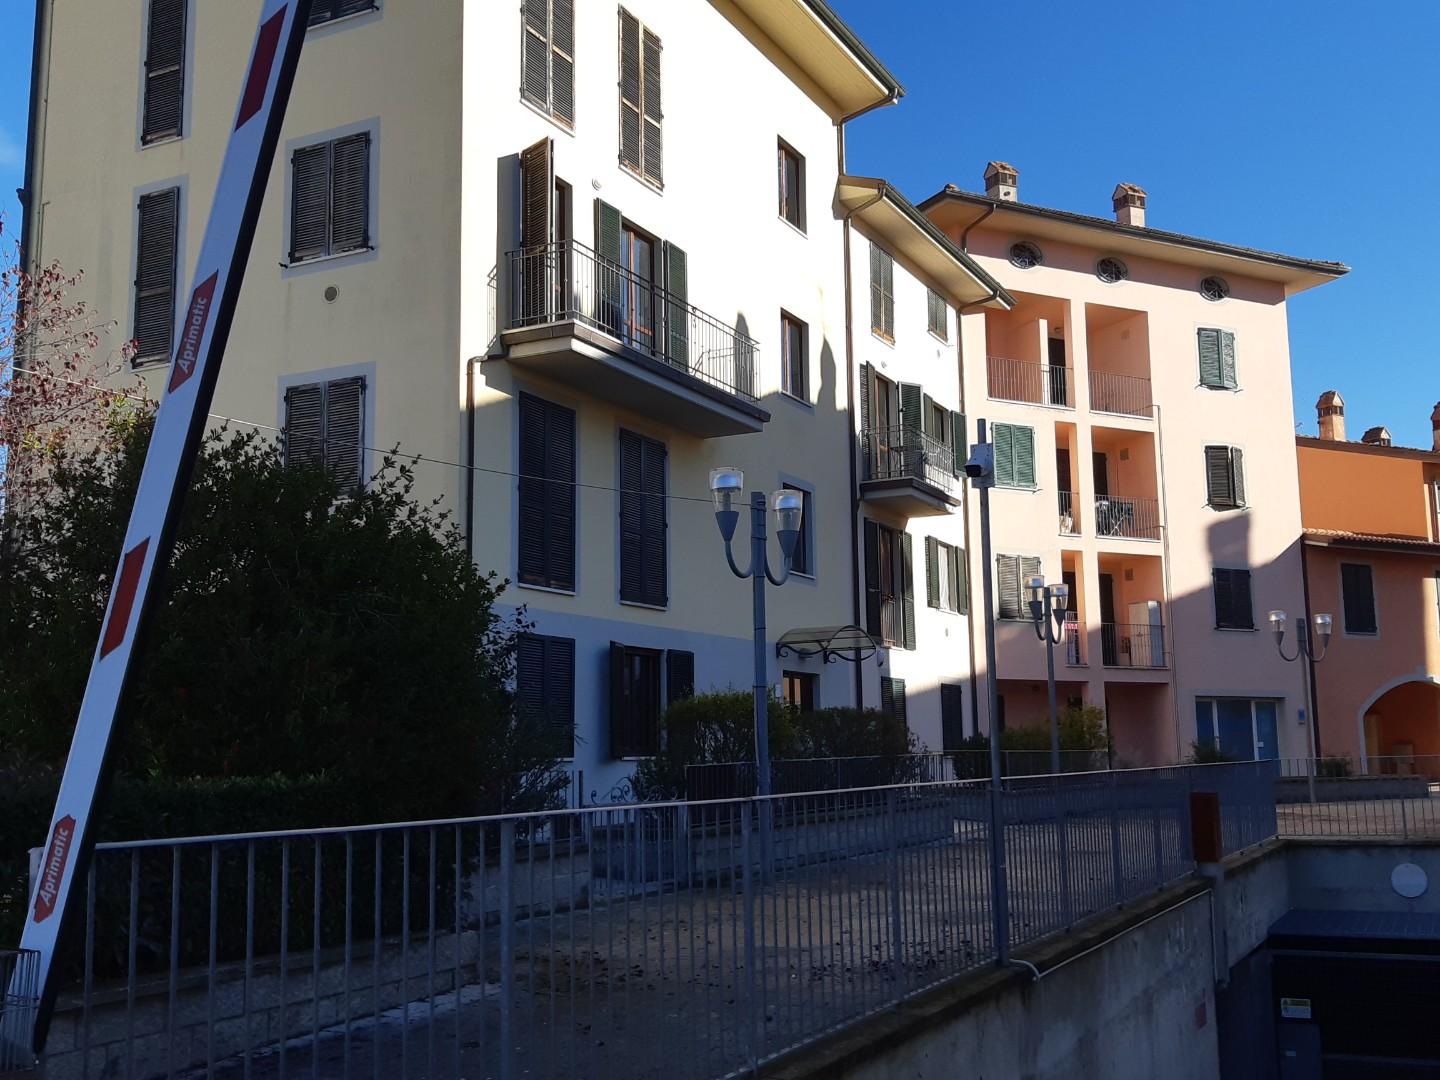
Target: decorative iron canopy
[{"x": 831, "y": 642}]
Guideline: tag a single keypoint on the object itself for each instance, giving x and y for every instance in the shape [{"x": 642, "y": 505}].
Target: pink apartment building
[{"x": 1138, "y": 395}]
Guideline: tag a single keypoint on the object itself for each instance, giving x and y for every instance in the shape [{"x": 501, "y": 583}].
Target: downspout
[
  {"x": 1167, "y": 562},
  {"x": 470, "y": 457},
  {"x": 39, "y": 75},
  {"x": 1314, "y": 701}
]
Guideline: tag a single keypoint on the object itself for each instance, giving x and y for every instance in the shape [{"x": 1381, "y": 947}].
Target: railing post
[
  {"x": 1115, "y": 861},
  {"x": 1159, "y": 846},
  {"x": 507, "y": 945},
  {"x": 1062, "y": 824},
  {"x": 751, "y": 975},
  {"x": 892, "y": 862}
]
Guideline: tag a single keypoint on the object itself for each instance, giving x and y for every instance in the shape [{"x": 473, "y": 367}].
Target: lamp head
[
  {"x": 726, "y": 483},
  {"x": 1036, "y": 588},
  {"x": 1324, "y": 627},
  {"x": 789, "y": 507},
  {"x": 1060, "y": 596},
  {"x": 1277, "y": 625}
]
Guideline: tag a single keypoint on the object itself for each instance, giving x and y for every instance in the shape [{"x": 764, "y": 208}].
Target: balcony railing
[
  {"x": 1037, "y": 384},
  {"x": 1131, "y": 518},
  {"x": 566, "y": 281},
  {"x": 1133, "y": 645},
  {"x": 1074, "y": 641},
  {"x": 903, "y": 453},
  {"x": 1069, "y": 513},
  {"x": 1128, "y": 395}
]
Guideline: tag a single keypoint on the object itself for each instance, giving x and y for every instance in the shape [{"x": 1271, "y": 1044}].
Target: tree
[
  {"x": 59, "y": 386},
  {"x": 303, "y": 630}
]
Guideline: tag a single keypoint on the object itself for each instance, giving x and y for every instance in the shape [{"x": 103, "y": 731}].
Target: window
[
  {"x": 643, "y": 524},
  {"x": 545, "y": 688},
  {"x": 1225, "y": 477},
  {"x": 1357, "y": 597},
  {"x": 1217, "y": 359},
  {"x": 882, "y": 292},
  {"x": 640, "y": 114},
  {"x": 1025, "y": 255},
  {"x": 794, "y": 356},
  {"x": 952, "y": 717},
  {"x": 1011, "y": 574},
  {"x": 156, "y": 253},
  {"x": 938, "y": 315},
  {"x": 679, "y": 676},
  {"x": 546, "y": 520},
  {"x": 799, "y": 691},
  {"x": 547, "y": 57},
  {"x": 634, "y": 701},
  {"x": 1111, "y": 271},
  {"x": 1234, "y": 609},
  {"x": 163, "y": 115},
  {"x": 324, "y": 11},
  {"x": 1014, "y": 455},
  {"x": 892, "y": 700},
  {"x": 792, "y": 186},
  {"x": 889, "y": 586},
  {"x": 804, "y": 560},
  {"x": 330, "y": 198},
  {"x": 1214, "y": 289},
  {"x": 325, "y": 424},
  {"x": 946, "y": 587},
  {"x": 1240, "y": 728}
]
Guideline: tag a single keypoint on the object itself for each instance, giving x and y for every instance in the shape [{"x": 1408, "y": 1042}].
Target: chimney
[
  {"x": 1435, "y": 425},
  {"x": 1331, "y": 408},
  {"x": 1002, "y": 181},
  {"x": 1129, "y": 203},
  {"x": 1376, "y": 436}
]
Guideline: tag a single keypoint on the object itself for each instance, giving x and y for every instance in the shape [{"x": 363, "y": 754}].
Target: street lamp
[
  {"x": 1305, "y": 651},
  {"x": 726, "y": 486},
  {"x": 1048, "y": 605}
]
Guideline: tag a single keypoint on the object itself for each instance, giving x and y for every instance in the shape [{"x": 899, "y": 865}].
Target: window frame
[
  {"x": 1215, "y": 572},
  {"x": 1345, "y": 607},
  {"x": 637, "y": 168},
  {"x": 140, "y": 360},
  {"x": 1239, "y": 490},
  {"x": 807, "y": 683},
  {"x": 1014, "y": 483},
  {"x": 1223, "y": 331},
  {"x": 1214, "y": 700},
  {"x": 784, "y": 150},
  {"x": 365, "y": 374},
  {"x": 1020, "y": 578},
  {"x": 369, "y": 128},
  {"x": 788, "y": 366},
  {"x": 651, "y": 657},
  {"x": 547, "y": 108},
  {"x": 935, "y": 302}
]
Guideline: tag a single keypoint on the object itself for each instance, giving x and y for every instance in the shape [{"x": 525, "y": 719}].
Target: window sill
[
  {"x": 644, "y": 606},
  {"x": 1238, "y": 629},
  {"x": 880, "y": 335},
  {"x": 539, "y": 110},
  {"x": 313, "y": 260},
  {"x": 635, "y": 174},
  {"x": 148, "y": 362},
  {"x": 803, "y": 576},
  {"x": 1222, "y": 509},
  {"x": 1017, "y": 487},
  {"x": 552, "y": 590},
  {"x": 798, "y": 402},
  {"x": 799, "y": 230},
  {"x": 945, "y": 340},
  {"x": 342, "y": 20},
  {"x": 162, "y": 140},
  {"x": 1223, "y": 389}
]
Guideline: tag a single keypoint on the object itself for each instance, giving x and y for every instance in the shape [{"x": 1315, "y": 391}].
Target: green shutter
[
  {"x": 607, "y": 267},
  {"x": 1025, "y": 457},
  {"x": 1227, "y": 360},
  {"x": 872, "y": 579},
  {"x": 877, "y": 289},
  {"x": 1007, "y": 580},
  {"x": 1219, "y": 480},
  {"x": 959, "y": 580},
  {"x": 677, "y": 311},
  {"x": 907, "y": 592},
  {"x": 1003, "y": 438},
  {"x": 1210, "y": 365},
  {"x": 959, "y": 439},
  {"x": 1237, "y": 474},
  {"x": 912, "y": 409},
  {"x": 932, "y": 572}
]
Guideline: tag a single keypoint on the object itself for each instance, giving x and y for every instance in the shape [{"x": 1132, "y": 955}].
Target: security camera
[{"x": 982, "y": 461}]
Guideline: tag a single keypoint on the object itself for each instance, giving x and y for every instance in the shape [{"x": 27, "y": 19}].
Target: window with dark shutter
[
  {"x": 1224, "y": 477},
  {"x": 1357, "y": 597},
  {"x": 892, "y": 700},
  {"x": 1234, "y": 607},
  {"x": 330, "y": 198},
  {"x": 641, "y": 116},
  {"x": 643, "y": 521},
  {"x": 889, "y": 585},
  {"x": 1011, "y": 574},
  {"x": 952, "y": 717},
  {"x": 938, "y": 315},
  {"x": 882, "y": 292},
  {"x": 156, "y": 257},
  {"x": 679, "y": 675},
  {"x": 1014, "y": 455},
  {"x": 1217, "y": 358},
  {"x": 164, "y": 71},
  {"x": 325, "y": 425},
  {"x": 803, "y": 560},
  {"x": 547, "y": 57},
  {"x": 794, "y": 357},
  {"x": 944, "y": 576},
  {"x": 324, "y": 11},
  {"x": 545, "y": 689},
  {"x": 546, "y": 519},
  {"x": 792, "y": 186},
  {"x": 907, "y": 590},
  {"x": 635, "y": 704}
]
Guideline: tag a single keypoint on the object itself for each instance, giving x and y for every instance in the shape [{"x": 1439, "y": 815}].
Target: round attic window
[
  {"x": 1111, "y": 270},
  {"x": 1025, "y": 255},
  {"x": 1214, "y": 288}
]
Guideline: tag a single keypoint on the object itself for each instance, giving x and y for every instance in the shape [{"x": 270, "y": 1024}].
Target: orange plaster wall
[{"x": 1360, "y": 492}]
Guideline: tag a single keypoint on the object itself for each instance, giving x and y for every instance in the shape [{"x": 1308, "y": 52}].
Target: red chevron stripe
[
  {"x": 119, "y": 623},
  {"x": 259, "y": 78}
]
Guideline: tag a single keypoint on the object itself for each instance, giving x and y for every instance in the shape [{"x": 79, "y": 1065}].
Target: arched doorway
[{"x": 1400, "y": 726}]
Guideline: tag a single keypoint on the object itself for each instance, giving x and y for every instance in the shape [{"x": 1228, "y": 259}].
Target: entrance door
[
  {"x": 1055, "y": 373},
  {"x": 1109, "y": 641}
]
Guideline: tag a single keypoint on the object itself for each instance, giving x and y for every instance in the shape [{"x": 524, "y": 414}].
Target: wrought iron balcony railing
[
  {"x": 566, "y": 281},
  {"x": 1037, "y": 384},
  {"x": 1074, "y": 641},
  {"x": 1133, "y": 645},
  {"x": 1131, "y": 518},
  {"x": 1069, "y": 513},
  {"x": 903, "y": 453},
  {"x": 1128, "y": 395}
]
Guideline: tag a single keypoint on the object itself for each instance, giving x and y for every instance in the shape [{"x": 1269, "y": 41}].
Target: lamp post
[
  {"x": 1306, "y": 654},
  {"x": 726, "y": 484},
  {"x": 1048, "y": 605}
]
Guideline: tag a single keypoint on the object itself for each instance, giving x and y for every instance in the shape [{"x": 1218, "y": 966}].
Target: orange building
[{"x": 1371, "y": 515}]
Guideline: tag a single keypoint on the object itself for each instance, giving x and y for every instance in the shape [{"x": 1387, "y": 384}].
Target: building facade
[{"x": 1371, "y": 512}]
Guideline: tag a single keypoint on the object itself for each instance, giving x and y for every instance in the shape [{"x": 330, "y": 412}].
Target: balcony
[
  {"x": 596, "y": 326},
  {"x": 909, "y": 471},
  {"x": 1031, "y": 383},
  {"x": 1129, "y": 518},
  {"x": 1133, "y": 645},
  {"x": 1069, "y": 515},
  {"x": 1074, "y": 641},
  {"x": 1125, "y": 395}
]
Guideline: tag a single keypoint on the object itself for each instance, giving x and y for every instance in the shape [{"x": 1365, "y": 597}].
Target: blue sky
[{"x": 1307, "y": 127}]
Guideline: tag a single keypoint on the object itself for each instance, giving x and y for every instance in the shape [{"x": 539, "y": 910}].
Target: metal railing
[
  {"x": 789, "y": 776},
  {"x": 19, "y": 1004},
  {"x": 1074, "y": 641},
  {"x": 1134, "y": 518},
  {"x": 1128, "y": 395},
  {"x": 905, "y": 453},
  {"x": 1069, "y": 513},
  {"x": 1334, "y": 796},
  {"x": 684, "y": 940},
  {"x": 1133, "y": 645},
  {"x": 1037, "y": 384},
  {"x": 567, "y": 281}
]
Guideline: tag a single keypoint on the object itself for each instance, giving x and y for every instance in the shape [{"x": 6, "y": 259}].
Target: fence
[
  {"x": 19, "y": 999},
  {"x": 567, "y": 281},
  {"x": 1128, "y": 395},
  {"x": 1069, "y": 513},
  {"x": 1023, "y": 380},
  {"x": 1135, "y": 518},
  {"x": 680, "y": 940},
  {"x": 1132, "y": 645}
]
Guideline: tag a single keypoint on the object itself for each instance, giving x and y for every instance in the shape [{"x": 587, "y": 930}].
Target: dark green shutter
[
  {"x": 619, "y": 703},
  {"x": 546, "y": 518},
  {"x": 608, "y": 282},
  {"x": 651, "y": 142},
  {"x": 912, "y": 412},
  {"x": 932, "y": 572},
  {"x": 350, "y": 194},
  {"x": 629, "y": 90},
  {"x": 959, "y": 439},
  {"x": 1227, "y": 360},
  {"x": 1357, "y": 589},
  {"x": 535, "y": 52},
  {"x": 677, "y": 311},
  {"x": 156, "y": 259},
  {"x": 345, "y": 431},
  {"x": 537, "y": 194},
  {"x": 872, "y": 579},
  {"x": 877, "y": 291},
  {"x": 892, "y": 700},
  {"x": 309, "y": 201},
  {"x": 1219, "y": 490},
  {"x": 1003, "y": 442},
  {"x": 959, "y": 585},
  {"x": 888, "y": 277},
  {"x": 1234, "y": 607},
  {"x": 1210, "y": 365},
  {"x": 560, "y": 693},
  {"x": 632, "y": 517},
  {"x": 562, "y": 59},
  {"x": 907, "y": 591},
  {"x": 952, "y": 717},
  {"x": 679, "y": 675},
  {"x": 1243, "y": 612},
  {"x": 656, "y": 520},
  {"x": 1237, "y": 474},
  {"x": 164, "y": 71},
  {"x": 867, "y": 438},
  {"x": 1024, "y": 457},
  {"x": 1007, "y": 579},
  {"x": 304, "y": 424}
]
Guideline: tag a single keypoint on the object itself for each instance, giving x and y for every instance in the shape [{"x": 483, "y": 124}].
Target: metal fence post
[
  {"x": 1159, "y": 845},
  {"x": 1115, "y": 863},
  {"x": 1062, "y": 825},
  {"x": 1404, "y": 822},
  {"x": 507, "y": 944},
  {"x": 748, "y": 885},
  {"x": 892, "y": 862}
]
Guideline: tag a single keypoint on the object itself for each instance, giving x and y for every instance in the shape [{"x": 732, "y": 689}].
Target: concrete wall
[{"x": 1356, "y": 876}]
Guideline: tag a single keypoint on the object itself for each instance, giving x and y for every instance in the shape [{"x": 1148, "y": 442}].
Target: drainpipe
[
  {"x": 39, "y": 77},
  {"x": 470, "y": 457},
  {"x": 1314, "y": 702},
  {"x": 1166, "y": 562}
]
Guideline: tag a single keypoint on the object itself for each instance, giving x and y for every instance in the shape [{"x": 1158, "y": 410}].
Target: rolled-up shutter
[
  {"x": 679, "y": 675},
  {"x": 309, "y": 201},
  {"x": 156, "y": 257},
  {"x": 350, "y": 194},
  {"x": 932, "y": 572},
  {"x": 907, "y": 590},
  {"x": 164, "y": 71},
  {"x": 344, "y": 431},
  {"x": 872, "y": 579}
]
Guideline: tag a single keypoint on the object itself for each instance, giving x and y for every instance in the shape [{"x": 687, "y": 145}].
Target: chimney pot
[
  {"x": 1331, "y": 409},
  {"x": 1435, "y": 425},
  {"x": 1129, "y": 203},
  {"x": 1377, "y": 436},
  {"x": 1002, "y": 181}
]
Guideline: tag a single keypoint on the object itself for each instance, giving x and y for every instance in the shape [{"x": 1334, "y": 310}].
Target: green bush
[{"x": 1207, "y": 753}]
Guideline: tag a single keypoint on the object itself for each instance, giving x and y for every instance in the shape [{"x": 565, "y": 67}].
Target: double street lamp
[
  {"x": 1306, "y": 653},
  {"x": 726, "y": 486},
  {"x": 1048, "y": 607}
]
